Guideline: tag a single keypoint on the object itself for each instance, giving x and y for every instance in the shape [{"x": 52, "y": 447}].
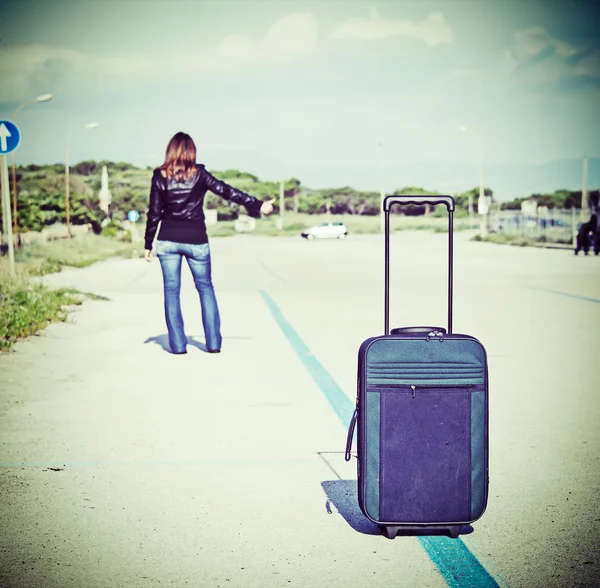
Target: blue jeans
[{"x": 170, "y": 255}]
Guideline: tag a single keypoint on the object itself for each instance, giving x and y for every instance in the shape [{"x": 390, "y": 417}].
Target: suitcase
[{"x": 422, "y": 416}]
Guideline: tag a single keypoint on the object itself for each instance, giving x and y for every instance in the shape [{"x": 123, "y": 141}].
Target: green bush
[
  {"x": 126, "y": 236},
  {"x": 26, "y": 308},
  {"x": 110, "y": 230},
  {"x": 517, "y": 240},
  {"x": 79, "y": 251}
]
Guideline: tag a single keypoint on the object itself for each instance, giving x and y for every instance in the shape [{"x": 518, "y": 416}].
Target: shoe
[
  {"x": 179, "y": 352},
  {"x": 214, "y": 351}
]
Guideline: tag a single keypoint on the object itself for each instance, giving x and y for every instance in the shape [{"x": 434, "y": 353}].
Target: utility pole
[
  {"x": 281, "y": 204},
  {"x": 10, "y": 136},
  {"x": 42, "y": 98},
  {"x": 381, "y": 191},
  {"x": 482, "y": 205},
  {"x": 67, "y": 193},
  {"x": 91, "y": 125},
  {"x": 6, "y": 220},
  {"x": 14, "y": 183},
  {"x": 470, "y": 209}
]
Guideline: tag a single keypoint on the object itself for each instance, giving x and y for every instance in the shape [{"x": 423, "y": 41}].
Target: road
[{"x": 125, "y": 465}]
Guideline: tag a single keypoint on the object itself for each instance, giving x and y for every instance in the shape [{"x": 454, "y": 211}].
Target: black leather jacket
[{"x": 180, "y": 204}]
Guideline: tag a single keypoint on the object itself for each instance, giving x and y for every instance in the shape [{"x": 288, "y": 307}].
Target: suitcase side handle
[
  {"x": 388, "y": 202},
  {"x": 351, "y": 435}
]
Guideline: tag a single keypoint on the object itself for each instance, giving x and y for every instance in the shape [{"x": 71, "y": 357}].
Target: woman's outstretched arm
[{"x": 253, "y": 205}]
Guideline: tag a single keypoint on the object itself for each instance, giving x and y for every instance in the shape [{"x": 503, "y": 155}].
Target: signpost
[
  {"x": 133, "y": 216},
  {"x": 10, "y": 138}
]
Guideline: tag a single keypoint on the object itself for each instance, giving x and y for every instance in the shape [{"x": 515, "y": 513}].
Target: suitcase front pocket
[{"x": 425, "y": 451}]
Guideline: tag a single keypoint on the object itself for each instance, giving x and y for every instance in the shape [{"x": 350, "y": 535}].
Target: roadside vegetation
[
  {"x": 41, "y": 196},
  {"x": 36, "y": 259},
  {"x": 41, "y": 202},
  {"x": 520, "y": 241},
  {"x": 27, "y": 306}
]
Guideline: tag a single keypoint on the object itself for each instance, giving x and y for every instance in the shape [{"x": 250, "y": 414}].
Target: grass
[
  {"x": 27, "y": 307},
  {"x": 80, "y": 251},
  {"x": 521, "y": 241}
]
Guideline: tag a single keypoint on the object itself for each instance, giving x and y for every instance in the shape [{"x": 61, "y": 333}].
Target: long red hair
[{"x": 180, "y": 158}]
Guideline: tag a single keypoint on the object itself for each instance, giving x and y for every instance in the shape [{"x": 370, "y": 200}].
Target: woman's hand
[
  {"x": 267, "y": 207},
  {"x": 148, "y": 254}
]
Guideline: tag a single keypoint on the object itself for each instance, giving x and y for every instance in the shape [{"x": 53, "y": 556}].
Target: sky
[{"x": 332, "y": 92}]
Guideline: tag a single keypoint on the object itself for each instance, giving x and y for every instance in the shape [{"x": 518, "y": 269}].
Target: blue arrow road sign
[
  {"x": 9, "y": 136},
  {"x": 133, "y": 215}
]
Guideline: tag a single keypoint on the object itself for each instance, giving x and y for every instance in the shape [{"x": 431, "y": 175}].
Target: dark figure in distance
[{"x": 588, "y": 236}]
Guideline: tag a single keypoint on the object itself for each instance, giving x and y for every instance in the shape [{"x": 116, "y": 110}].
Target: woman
[{"x": 176, "y": 198}]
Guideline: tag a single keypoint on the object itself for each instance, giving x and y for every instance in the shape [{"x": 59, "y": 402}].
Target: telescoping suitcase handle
[{"x": 388, "y": 202}]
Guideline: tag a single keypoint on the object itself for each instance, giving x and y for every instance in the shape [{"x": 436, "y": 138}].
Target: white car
[{"x": 335, "y": 230}]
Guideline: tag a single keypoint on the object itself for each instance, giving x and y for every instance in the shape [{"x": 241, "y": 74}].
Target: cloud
[
  {"x": 535, "y": 42},
  {"x": 294, "y": 34},
  {"x": 290, "y": 36},
  {"x": 433, "y": 30},
  {"x": 587, "y": 64},
  {"x": 537, "y": 58},
  {"x": 27, "y": 70},
  {"x": 23, "y": 68}
]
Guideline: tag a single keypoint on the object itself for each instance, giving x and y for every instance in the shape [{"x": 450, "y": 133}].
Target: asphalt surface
[{"x": 124, "y": 465}]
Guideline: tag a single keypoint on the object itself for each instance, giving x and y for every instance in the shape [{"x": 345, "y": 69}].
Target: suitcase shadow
[{"x": 343, "y": 495}]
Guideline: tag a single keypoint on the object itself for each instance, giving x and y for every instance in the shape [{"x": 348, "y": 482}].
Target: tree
[
  {"x": 312, "y": 203},
  {"x": 412, "y": 209},
  {"x": 234, "y": 174},
  {"x": 85, "y": 168}
]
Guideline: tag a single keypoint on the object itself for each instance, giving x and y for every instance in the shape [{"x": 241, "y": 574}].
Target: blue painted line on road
[
  {"x": 457, "y": 565},
  {"x": 560, "y": 293},
  {"x": 340, "y": 403}
]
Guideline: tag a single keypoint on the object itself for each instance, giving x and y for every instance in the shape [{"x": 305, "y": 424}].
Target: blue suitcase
[{"x": 422, "y": 416}]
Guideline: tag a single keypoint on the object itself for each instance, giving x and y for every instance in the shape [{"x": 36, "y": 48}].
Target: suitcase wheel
[
  {"x": 454, "y": 531},
  {"x": 390, "y": 532}
]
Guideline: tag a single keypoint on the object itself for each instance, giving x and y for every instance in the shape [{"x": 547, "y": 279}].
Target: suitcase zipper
[
  {"x": 413, "y": 387},
  {"x": 435, "y": 335}
]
